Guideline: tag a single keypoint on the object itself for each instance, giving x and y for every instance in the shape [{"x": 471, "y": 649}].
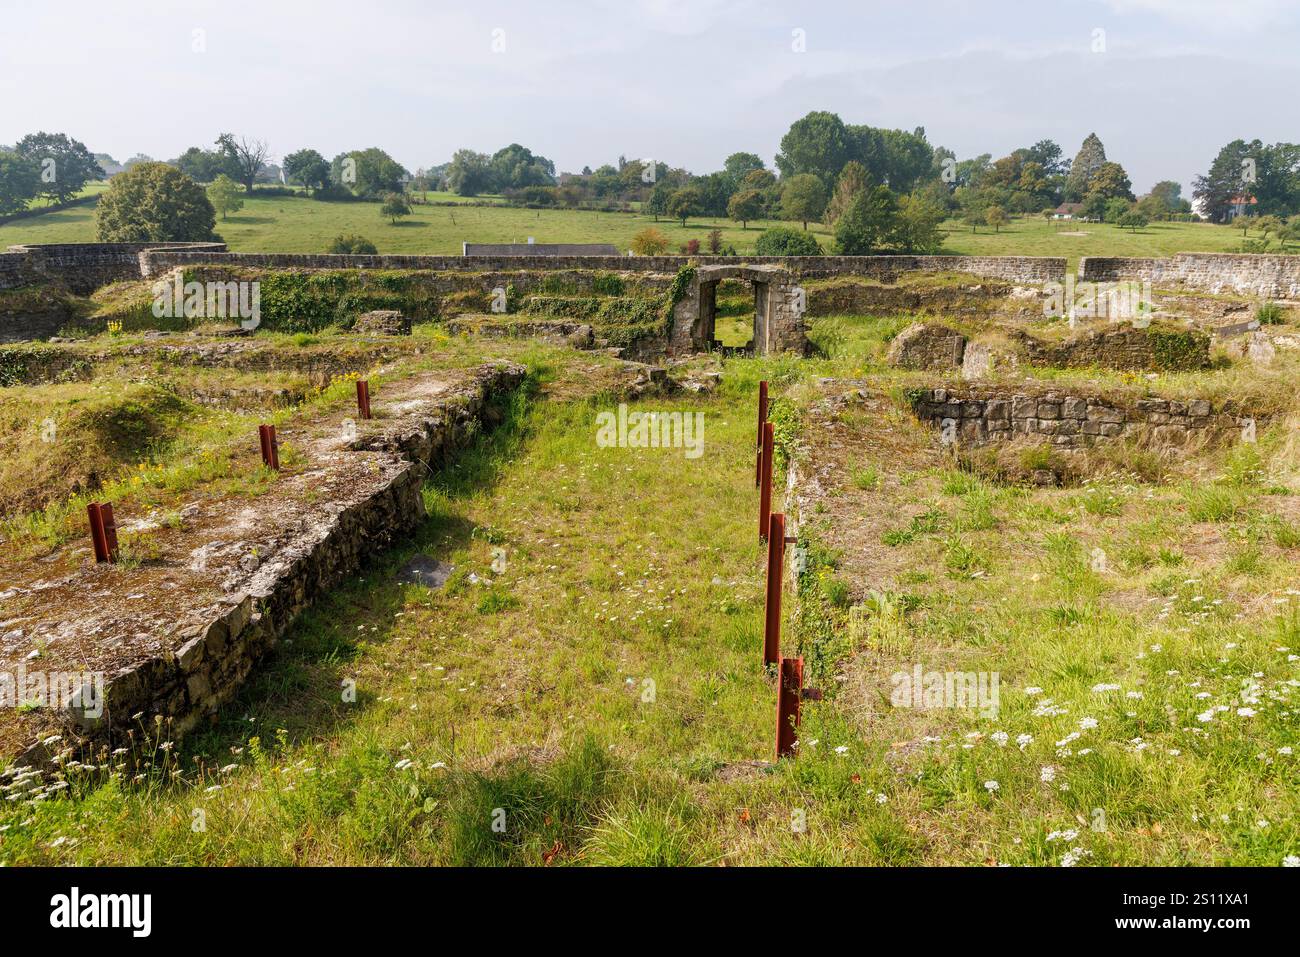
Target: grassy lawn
[
  {"x": 1035, "y": 236},
  {"x": 293, "y": 224},
  {"x": 296, "y": 224}
]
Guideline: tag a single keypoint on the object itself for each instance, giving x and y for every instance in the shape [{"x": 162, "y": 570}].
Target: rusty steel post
[
  {"x": 110, "y": 530},
  {"x": 270, "y": 448},
  {"x": 363, "y": 398},
  {"x": 95, "y": 516},
  {"x": 762, "y": 418},
  {"x": 765, "y": 487},
  {"x": 789, "y": 695},
  {"x": 772, "y": 605}
]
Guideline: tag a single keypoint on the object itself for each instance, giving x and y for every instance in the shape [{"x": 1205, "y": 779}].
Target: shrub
[
  {"x": 649, "y": 242},
  {"x": 1270, "y": 313},
  {"x": 352, "y": 245},
  {"x": 691, "y": 247},
  {"x": 785, "y": 241}
]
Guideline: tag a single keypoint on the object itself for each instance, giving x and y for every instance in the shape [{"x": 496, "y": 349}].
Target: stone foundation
[
  {"x": 382, "y": 322},
  {"x": 1276, "y": 277},
  {"x": 979, "y": 416}
]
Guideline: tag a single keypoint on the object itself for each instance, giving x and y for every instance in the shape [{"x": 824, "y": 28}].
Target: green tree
[
  {"x": 744, "y": 206},
  {"x": 684, "y": 203},
  {"x": 1110, "y": 182},
  {"x": 395, "y": 207},
  {"x": 248, "y": 156},
  {"x": 516, "y": 167},
  {"x": 657, "y": 204},
  {"x": 919, "y": 221},
  {"x": 64, "y": 165},
  {"x": 868, "y": 224},
  {"x": 1114, "y": 208},
  {"x": 374, "y": 172},
  {"x": 469, "y": 173},
  {"x": 224, "y": 194},
  {"x": 20, "y": 181},
  {"x": 784, "y": 241},
  {"x": 1168, "y": 195},
  {"x": 203, "y": 166},
  {"x": 803, "y": 198},
  {"x": 996, "y": 217},
  {"x": 1229, "y": 176},
  {"x": 154, "y": 202},
  {"x": 1132, "y": 219},
  {"x": 897, "y": 158},
  {"x": 1086, "y": 163},
  {"x": 819, "y": 144},
  {"x": 853, "y": 179},
  {"x": 308, "y": 167},
  {"x": 739, "y": 165}
]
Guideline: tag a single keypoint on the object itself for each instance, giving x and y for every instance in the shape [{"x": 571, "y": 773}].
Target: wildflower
[
  {"x": 1048, "y": 774},
  {"x": 1023, "y": 740},
  {"x": 403, "y": 764},
  {"x": 842, "y": 749},
  {"x": 1291, "y": 860},
  {"x": 1000, "y": 737},
  {"x": 991, "y": 786},
  {"x": 1073, "y": 856},
  {"x": 1247, "y": 712},
  {"x": 1087, "y": 724}
]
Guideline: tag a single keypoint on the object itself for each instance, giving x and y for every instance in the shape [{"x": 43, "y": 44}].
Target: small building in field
[
  {"x": 1068, "y": 211},
  {"x": 1240, "y": 206}
]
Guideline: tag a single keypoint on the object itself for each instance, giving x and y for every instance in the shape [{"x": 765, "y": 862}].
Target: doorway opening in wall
[{"x": 733, "y": 310}]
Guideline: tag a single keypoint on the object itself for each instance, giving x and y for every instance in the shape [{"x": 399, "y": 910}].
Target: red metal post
[
  {"x": 765, "y": 485},
  {"x": 363, "y": 398},
  {"x": 110, "y": 530},
  {"x": 789, "y": 695},
  {"x": 270, "y": 448},
  {"x": 762, "y": 418},
  {"x": 772, "y": 606},
  {"x": 95, "y": 516}
]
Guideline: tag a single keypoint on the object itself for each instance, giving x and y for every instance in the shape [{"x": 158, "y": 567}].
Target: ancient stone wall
[
  {"x": 84, "y": 267},
  {"x": 980, "y": 415},
  {"x": 1275, "y": 277},
  {"x": 886, "y": 268}
]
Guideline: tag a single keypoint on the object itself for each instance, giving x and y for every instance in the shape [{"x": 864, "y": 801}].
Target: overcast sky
[{"x": 1164, "y": 83}]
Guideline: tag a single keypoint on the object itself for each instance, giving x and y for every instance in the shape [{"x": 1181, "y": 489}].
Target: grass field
[{"x": 300, "y": 225}]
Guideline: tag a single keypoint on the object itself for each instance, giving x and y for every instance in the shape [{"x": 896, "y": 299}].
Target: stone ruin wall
[
  {"x": 1072, "y": 420},
  {"x": 84, "y": 267},
  {"x": 1274, "y": 277}
]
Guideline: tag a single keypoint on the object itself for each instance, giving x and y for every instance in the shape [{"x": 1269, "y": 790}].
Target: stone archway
[{"x": 778, "y": 310}]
